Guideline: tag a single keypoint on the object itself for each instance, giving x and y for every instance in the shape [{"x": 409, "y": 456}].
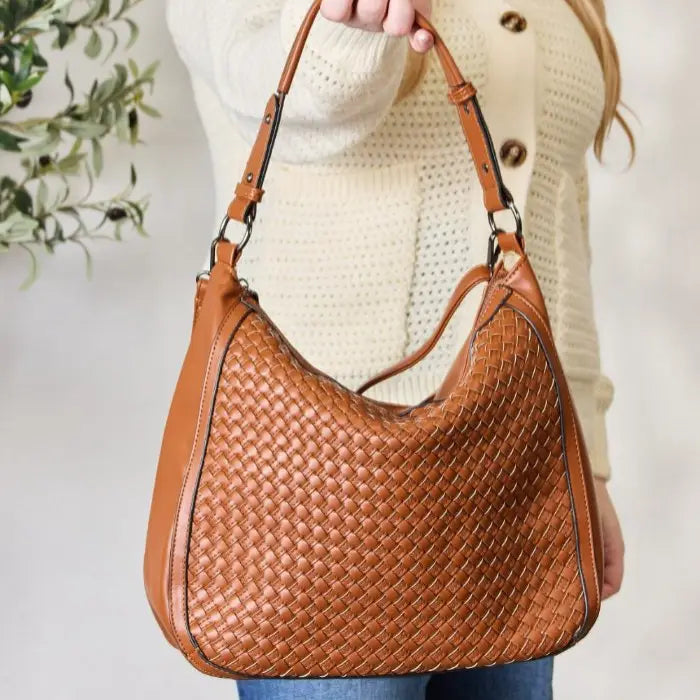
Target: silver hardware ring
[{"x": 516, "y": 216}]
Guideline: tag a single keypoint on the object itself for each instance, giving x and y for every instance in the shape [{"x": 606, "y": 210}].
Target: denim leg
[
  {"x": 525, "y": 680},
  {"x": 378, "y": 688}
]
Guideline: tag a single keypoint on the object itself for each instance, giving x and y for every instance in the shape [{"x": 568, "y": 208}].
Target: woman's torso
[{"x": 355, "y": 256}]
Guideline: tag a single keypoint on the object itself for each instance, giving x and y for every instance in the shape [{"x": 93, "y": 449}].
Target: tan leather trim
[
  {"x": 178, "y": 587},
  {"x": 178, "y": 582}
]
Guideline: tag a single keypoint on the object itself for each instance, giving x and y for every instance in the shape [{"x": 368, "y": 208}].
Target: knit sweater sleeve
[
  {"x": 345, "y": 85},
  {"x": 594, "y": 393}
]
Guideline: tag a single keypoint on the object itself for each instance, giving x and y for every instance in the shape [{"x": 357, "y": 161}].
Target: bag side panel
[
  {"x": 216, "y": 299},
  {"x": 527, "y": 298}
]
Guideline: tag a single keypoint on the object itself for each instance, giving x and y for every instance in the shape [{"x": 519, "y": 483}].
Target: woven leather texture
[{"x": 333, "y": 536}]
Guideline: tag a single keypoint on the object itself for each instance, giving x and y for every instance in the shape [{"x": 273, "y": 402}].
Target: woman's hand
[
  {"x": 613, "y": 544},
  {"x": 395, "y": 17}
]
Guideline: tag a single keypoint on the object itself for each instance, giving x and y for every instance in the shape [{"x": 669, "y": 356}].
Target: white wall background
[{"x": 87, "y": 369}]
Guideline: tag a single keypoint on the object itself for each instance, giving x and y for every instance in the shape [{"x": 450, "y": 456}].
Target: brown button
[
  {"x": 513, "y": 153},
  {"x": 513, "y": 21}
]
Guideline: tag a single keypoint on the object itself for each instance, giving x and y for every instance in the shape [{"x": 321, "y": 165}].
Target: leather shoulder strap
[{"x": 462, "y": 94}]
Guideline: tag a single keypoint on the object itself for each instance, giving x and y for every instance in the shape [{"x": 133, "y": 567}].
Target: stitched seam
[
  {"x": 514, "y": 269},
  {"x": 487, "y": 301}
]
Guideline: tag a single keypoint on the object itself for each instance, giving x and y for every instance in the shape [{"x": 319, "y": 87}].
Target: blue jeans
[{"x": 526, "y": 680}]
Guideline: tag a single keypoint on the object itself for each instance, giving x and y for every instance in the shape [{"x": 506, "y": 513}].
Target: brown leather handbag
[{"x": 301, "y": 529}]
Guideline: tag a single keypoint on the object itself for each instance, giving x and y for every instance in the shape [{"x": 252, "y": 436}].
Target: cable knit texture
[{"x": 372, "y": 211}]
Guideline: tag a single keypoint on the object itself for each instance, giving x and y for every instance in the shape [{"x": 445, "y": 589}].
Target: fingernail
[{"x": 424, "y": 39}]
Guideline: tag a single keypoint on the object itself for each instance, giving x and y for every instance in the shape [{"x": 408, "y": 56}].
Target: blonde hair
[
  {"x": 592, "y": 16},
  {"x": 591, "y": 13}
]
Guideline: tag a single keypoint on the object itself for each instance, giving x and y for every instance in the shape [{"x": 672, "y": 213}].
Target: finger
[
  {"x": 400, "y": 18},
  {"x": 614, "y": 559},
  {"x": 337, "y": 10},
  {"x": 422, "y": 41},
  {"x": 370, "y": 14},
  {"x": 612, "y": 579}
]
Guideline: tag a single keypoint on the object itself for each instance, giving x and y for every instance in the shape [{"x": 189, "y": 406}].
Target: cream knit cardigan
[{"x": 373, "y": 211}]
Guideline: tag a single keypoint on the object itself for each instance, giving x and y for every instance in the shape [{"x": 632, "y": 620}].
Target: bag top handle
[{"x": 462, "y": 94}]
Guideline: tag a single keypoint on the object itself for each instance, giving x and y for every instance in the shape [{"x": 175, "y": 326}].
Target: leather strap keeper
[
  {"x": 459, "y": 95},
  {"x": 252, "y": 194}
]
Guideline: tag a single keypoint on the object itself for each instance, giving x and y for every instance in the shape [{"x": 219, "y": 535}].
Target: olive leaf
[{"x": 48, "y": 201}]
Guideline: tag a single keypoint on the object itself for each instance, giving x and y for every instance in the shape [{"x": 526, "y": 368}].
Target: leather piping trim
[
  {"x": 276, "y": 120},
  {"x": 252, "y": 205},
  {"x": 562, "y": 422},
  {"x": 180, "y": 503},
  {"x": 504, "y": 303},
  {"x": 228, "y": 672},
  {"x": 178, "y": 511},
  {"x": 503, "y": 192},
  {"x": 195, "y": 491}
]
